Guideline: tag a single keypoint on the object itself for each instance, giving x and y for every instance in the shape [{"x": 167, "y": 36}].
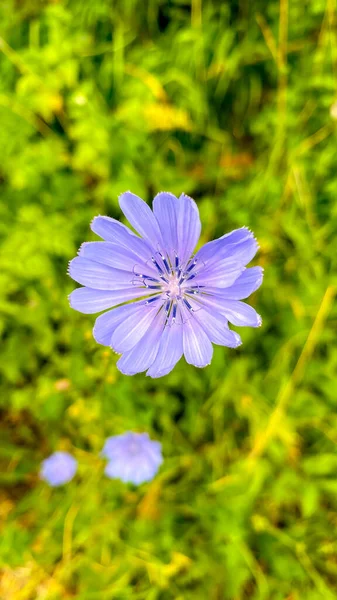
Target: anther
[
  {"x": 167, "y": 266},
  {"x": 192, "y": 265},
  {"x": 188, "y": 305},
  {"x": 156, "y": 264},
  {"x": 151, "y": 300}
]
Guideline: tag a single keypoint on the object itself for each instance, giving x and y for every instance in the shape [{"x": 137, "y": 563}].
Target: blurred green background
[{"x": 234, "y": 103}]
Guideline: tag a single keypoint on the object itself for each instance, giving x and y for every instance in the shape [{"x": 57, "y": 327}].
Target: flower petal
[
  {"x": 106, "y": 324},
  {"x": 98, "y": 276},
  {"x": 216, "y": 327},
  {"x": 141, "y": 217},
  {"x": 116, "y": 256},
  {"x": 198, "y": 349},
  {"x": 189, "y": 228},
  {"x": 221, "y": 274},
  {"x": 153, "y": 451},
  {"x": 238, "y": 313},
  {"x": 134, "y": 326},
  {"x": 169, "y": 353},
  {"x": 138, "y": 472},
  {"x": 248, "y": 282},
  {"x": 89, "y": 301},
  {"x": 240, "y": 245},
  {"x": 166, "y": 208},
  {"x": 142, "y": 355},
  {"x": 113, "y": 231}
]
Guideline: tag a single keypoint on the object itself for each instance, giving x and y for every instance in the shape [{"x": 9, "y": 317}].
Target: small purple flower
[
  {"x": 184, "y": 302},
  {"x": 59, "y": 468},
  {"x": 132, "y": 457}
]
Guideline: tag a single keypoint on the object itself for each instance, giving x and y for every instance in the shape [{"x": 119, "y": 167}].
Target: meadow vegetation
[{"x": 234, "y": 103}]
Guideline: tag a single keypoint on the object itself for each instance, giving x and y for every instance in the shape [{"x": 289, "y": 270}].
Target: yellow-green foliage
[{"x": 234, "y": 103}]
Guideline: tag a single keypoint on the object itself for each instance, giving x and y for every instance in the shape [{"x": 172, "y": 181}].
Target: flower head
[
  {"x": 132, "y": 457},
  {"x": 183, "y": 301},
  {"x": 59, "y": 468}
]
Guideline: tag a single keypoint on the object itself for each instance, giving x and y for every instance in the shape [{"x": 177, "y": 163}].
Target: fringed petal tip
[
  {"x": 94, "y": 219},
  {"x": 123, "y": 194},
  {"x": 70, "y": 299},
  {"x": 164, "y": 192},
  {"x": 80, "y": 251},
  {"x": 252, "y": 235},
  {"x": 69, "y": 267}
]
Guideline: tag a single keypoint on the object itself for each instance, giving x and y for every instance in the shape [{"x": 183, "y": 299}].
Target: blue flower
[
  {"x": 184, "y": 301},
  {"x": 132, "y": 457},
  {"x": 59, "y": 468}
]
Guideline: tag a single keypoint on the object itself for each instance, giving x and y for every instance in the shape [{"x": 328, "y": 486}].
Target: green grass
[{"x": 233, "y": 103}]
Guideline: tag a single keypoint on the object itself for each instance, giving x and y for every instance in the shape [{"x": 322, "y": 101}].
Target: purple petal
[
  {"x": 153, "y": 450},
  {"x": 189, "y": 228},
  {"x": 116, "y": 256},
  {"x": 135, "y": 325},
  {"x": 142, "y": 355},
  {"x": 106, "y": 324},
  {"x": 89, "y": 301},
  {"x": 98, "y": 276},
  {"x": 248, "y": 282},
  {"x": 239, "y": 245},
  {"x": 132, "y": 457},
  {"x": 166, "y": 208},
  {"x": 238, "y": 313},
  {"x": 198, "y": 350},
  {"x": 141, "y": 217},
  {"x": 113, "y": 231},
  {"x": 216, "y": 327},
  {"x": 221, "y": 274},
  {"x": 135, "y": 473},
  {"x": 170, "y": 351}
]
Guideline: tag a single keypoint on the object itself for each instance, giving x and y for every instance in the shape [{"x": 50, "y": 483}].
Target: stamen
[
  {"x": 151, "y": 300},
  {"x": 167, "y": 266},
  {"x": 157, "y": 265},
  {"x": 167, "y": 307},
  {"x": 137, "y": 282},
  {"x": 188, "y": 304},
  {"x": 152, "y": 287},
  {"x": 192, "y": 265}
]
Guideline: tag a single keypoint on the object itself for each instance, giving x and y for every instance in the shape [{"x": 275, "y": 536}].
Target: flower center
[
  {"x": 134, "y": 447},
  {"x": 172, "y": 286}
]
